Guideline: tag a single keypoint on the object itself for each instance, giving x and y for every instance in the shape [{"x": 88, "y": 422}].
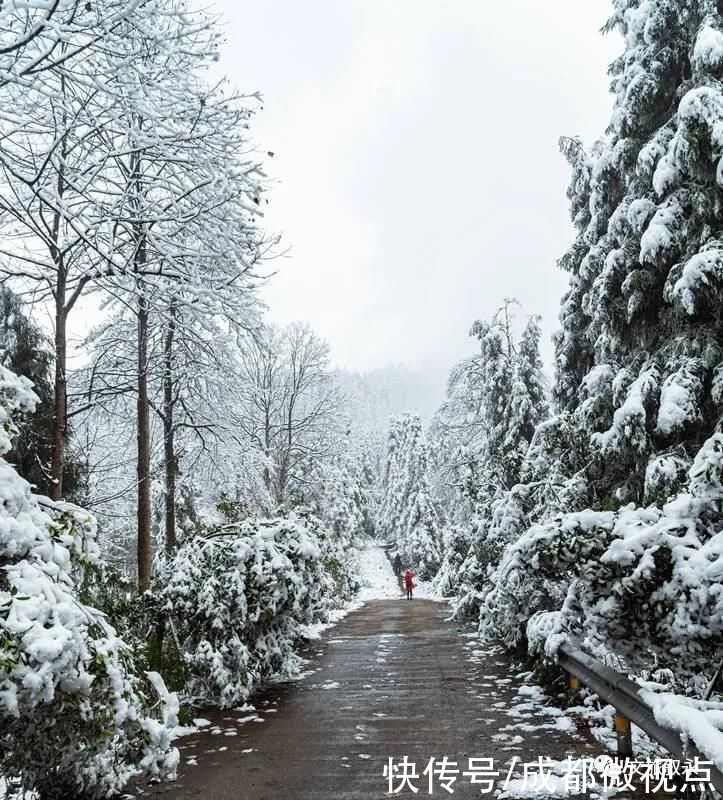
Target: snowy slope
[
  {"x": 378, "y": 580},
  {"x": 377, "y": 577}
]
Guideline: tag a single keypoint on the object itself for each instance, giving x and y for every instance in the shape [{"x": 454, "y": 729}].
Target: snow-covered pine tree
[
  {"x": 420, "y": 544},
  {"x": 642, "y": 316},
  {"x": 527, "y": 402},
  {"x": 391, "y": 482},
  {"x": 639, "y": 366},
  {"x": 367, "y": 457},
  {"x": 495, "y": 401},
  {"x": 341, "y": 501},
  {"x": 408, "y": 516}
]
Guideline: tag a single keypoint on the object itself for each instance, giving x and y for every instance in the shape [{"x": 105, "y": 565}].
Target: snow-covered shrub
[
  {"x": 643, "y": 583},
  {"x": 339, "y": 560},
  {"x": 237, "y": 599},
  {"x": 76, "y": 719}
]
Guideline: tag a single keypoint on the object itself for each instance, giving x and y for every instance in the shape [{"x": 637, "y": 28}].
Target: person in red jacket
[{"x": 409, "y": 583}]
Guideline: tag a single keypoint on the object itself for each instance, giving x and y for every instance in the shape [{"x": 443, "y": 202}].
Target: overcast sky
[{"x": 418, "y": 176}]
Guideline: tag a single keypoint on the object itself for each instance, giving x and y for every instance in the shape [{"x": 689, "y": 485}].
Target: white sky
[{"x": 418, "y": 176}]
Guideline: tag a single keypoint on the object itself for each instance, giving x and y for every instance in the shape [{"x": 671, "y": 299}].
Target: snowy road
[{"x": 394, "y": 678}]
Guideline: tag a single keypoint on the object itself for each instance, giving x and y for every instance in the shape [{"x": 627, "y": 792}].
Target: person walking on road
[
  {"x": 397, "y": 564},
  {"x": 409, "y": 583}
]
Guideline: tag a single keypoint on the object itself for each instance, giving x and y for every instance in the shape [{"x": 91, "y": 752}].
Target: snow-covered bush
[
  {"x": 237, "y": 599},
  {"x": 76, "y": 719},
  {"x": 642, "y": 583}
]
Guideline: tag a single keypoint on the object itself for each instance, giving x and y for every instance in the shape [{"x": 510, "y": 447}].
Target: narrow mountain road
[{"x": 393, "y": 679}]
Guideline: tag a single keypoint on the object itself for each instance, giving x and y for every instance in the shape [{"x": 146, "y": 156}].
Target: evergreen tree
[
  {"x": 495, "y": 401},
  {"x": 639, "y": 366},
  {"x": 528, "y": 403},
  {"x": 407, "y": 515},
  {"x": 391, "y": 485},
  {"x": 642, "y": 316}
]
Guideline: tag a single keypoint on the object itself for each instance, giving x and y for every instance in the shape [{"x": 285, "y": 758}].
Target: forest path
[{"x": 394, "y": 678}]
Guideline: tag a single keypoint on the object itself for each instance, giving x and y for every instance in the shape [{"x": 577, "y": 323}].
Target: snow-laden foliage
[
  {"x": 76, "y": 718},
  {"x": 613, "y": 529},
  {"x": 495, "y": 400},
  {"x": 346, "y": 499},
  {"x": 407, "y": 515},
  {"x": 615, "y": 579},
  {"x": 237, "y": 599},
  {"x": 644, "y": 300}
]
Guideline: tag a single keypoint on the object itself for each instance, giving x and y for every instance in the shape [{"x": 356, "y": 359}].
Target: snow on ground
[
  {"x": 377, "y": 577},
  {"x": 315, "y": 629},
  {"x": 425, "y": 591},
  {"x": 379, "y": 582}
]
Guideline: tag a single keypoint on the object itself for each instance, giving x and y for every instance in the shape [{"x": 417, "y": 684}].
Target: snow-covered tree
[
  {"x": 343, "y": 500},
  {"x": 75, "y": 718},
  {"x": 288, "y": 406},
  {"x": 643, "y": 305},
  {"x": 623, "y": 482},
  {"x": 641, "y": 583},
  {"x": 102, "y": 194},
  {"x": 495, "y": 401},
  {"x": 26, "y": 350},
  {"x": 37, "y": 37},
  {"x": 239, "y": 595},
  {"x": 407, "y": 514},
  {"x": 391, "y": 491}
]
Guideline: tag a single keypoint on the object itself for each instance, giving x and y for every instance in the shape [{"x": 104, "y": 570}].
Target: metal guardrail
[{"x": 622, "y": 693}]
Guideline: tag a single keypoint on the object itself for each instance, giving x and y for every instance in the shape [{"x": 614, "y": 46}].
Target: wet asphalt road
[{"x": 394, "y": 678}]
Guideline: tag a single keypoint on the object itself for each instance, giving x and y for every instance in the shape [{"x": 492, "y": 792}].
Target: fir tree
[
  {"x": 643, "y": 308},
  {"x": 639, "y": 364},
  {"x": 495, "y": 402},
  {"x": 408, "y": 516}
]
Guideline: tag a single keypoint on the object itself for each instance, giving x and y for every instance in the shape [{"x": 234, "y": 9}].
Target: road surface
[{"x": 393, "y": 679}]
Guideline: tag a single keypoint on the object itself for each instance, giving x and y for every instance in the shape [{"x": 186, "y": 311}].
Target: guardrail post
[{"x": 625, "y": 737}]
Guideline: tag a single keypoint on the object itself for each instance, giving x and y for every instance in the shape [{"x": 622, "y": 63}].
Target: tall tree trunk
[
  {"x": 143, "y": 465},
  {"x": 169, "y": 445},
  {"x": 145, "y": 548},
  {"x": 60, "y": 412},
  {"x": 267, "y": 448}
]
